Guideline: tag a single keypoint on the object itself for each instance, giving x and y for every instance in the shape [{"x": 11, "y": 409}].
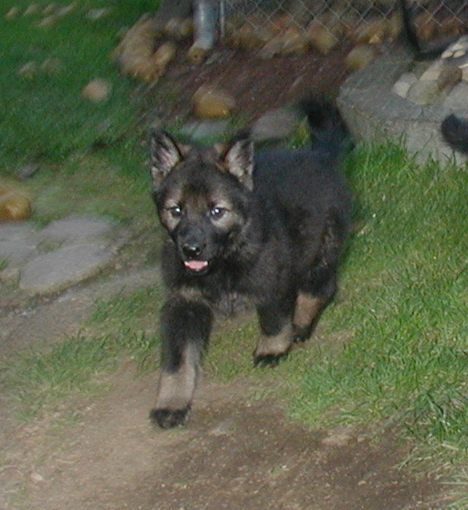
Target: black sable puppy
[{"x": 270, "y": 227}]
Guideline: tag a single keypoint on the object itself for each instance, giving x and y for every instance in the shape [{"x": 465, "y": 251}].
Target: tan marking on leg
[
  {"x": 275, "y": 345},
  {"x": 307, "y": 309},
  {"x": 175, "y": 390}
]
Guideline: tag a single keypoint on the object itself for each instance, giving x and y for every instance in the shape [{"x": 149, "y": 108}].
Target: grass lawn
[{"x": 392, "y": 351}]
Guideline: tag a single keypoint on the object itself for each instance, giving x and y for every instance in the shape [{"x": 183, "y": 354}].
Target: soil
[
  {"x": 235, "y": 453},
  {"x": 257, "y": 85}
]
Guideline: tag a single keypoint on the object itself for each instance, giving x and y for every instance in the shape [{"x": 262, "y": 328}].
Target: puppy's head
[{"x": 202, "y": 196}]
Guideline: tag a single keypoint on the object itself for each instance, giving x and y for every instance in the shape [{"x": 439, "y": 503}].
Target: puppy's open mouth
[{"x": 196, "y": 266}]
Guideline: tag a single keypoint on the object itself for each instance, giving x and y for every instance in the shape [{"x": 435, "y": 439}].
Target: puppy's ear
[
  {"x": 165, "y": 155},
  {"x": 239, "y": 159}
]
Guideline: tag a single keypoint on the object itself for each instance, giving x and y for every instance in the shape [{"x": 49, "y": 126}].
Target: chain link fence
[{"x": 432, "y": 18}]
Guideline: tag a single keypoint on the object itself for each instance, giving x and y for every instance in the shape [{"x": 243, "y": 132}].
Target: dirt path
[{"x": 234, "y": 454}]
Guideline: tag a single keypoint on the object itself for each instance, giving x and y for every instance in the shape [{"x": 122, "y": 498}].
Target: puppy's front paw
[{"x": 169, "y": 418}]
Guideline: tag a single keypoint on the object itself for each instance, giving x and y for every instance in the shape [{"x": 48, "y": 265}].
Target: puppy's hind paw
[{"x": 169, "y": 418}]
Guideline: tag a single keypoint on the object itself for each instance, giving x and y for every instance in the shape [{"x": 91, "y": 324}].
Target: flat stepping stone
[
  {"x": 16, "y": 251},
  {"x": 14, "y": 231},
  {"x": 62, "y": 268},
  {"x": 76, "y": 228}
]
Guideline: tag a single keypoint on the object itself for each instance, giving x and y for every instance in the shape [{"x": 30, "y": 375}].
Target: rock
[
  {"x": 205, "y": 129},
  {"x": 274, "y": 124},
  {"x": 402, "y": 86},
  {"x": 457, "y": 53},
  {"x": 373, "y": 31},
  {"x": 433, "y": 71},
  {"x": 359, "y": 57},
  {"x": 212, "y": 103},
  {"x": 321, "y": 38},
  {"x": 458, "y": 97},
  {"x": 179, "y": 28},
  {"x": 75, "y": 228},
  {"x": 449, "y": 77},
  {"x": 97, "y": 90},
  {"x": 272, "y": 48},
  {"x": 14, "y": 205},
  {"x": 294, "y": 42},
  {"x": 424, "y": 92},
  {"x": 17, "y": 251},
  {"x": 67, "y": 266}
]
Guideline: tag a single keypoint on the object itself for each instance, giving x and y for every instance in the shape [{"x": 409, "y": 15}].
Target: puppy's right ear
[{"x": 165, "y": 155}]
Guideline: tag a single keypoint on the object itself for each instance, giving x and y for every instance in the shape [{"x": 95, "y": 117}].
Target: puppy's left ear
[
  {"x": 165, "y": 155},
  {"x": 239, "y": 159}
]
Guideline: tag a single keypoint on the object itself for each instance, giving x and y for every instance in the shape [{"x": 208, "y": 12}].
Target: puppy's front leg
[{"x": 185, "y": 328}]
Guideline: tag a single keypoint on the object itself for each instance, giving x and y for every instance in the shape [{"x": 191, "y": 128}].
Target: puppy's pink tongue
[{"x": 196, "y": 265}]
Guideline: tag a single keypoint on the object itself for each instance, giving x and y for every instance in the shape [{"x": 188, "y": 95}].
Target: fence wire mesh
[{"x": 432, "y": 18}]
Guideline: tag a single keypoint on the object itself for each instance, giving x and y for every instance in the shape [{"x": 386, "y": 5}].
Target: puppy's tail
[
  {"x": 455, "y": 133},
  {"x": 330, "y": 137}
]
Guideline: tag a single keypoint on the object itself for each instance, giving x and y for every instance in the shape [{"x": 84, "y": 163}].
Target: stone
[
  {"x": 402, "y": 86},
  {"x": 54, "y": 271},
  {"x": 274, "y": 124},
  {"x": 75, "y": 228},
  {"x": 449, "y": 77},
  {"x": 205, "y": 129},
  {"x": 14, "y": 205},
  {"x": 212, "y": 103},
  {"x": 458, "y": 97},
  {"x": 360, "y": 57},
  {"x": 16, "y": 251},
  {"x": 457, "y": 53},
  {"x": 432, "y": 73},
  {"x": 424, "y": 92},
  {"x": 97, "y": 90},
  {"x": 374, "y": 114},
  {"x": 15, "y": 231},
  {"x": 321, "y": 38}
]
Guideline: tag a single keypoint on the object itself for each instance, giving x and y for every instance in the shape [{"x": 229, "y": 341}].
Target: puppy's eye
[
  {"x": 175, "y": 211},
  {"x": 217, "y": 212}
]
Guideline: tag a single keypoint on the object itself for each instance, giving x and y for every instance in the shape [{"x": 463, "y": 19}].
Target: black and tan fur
[{"x": 269, "y": 226}]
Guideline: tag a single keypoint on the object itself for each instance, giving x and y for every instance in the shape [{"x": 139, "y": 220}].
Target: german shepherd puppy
[{"x": 270, "y": 227}]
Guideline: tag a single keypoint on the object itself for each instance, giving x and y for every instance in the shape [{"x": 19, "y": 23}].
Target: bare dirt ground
[{"x": 236, "y": 453}]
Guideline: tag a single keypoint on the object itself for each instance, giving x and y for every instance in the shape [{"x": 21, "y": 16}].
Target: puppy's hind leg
[
  {"x": 185, "y": 328},
  {"x": 319, "y": 283},
  {"x": 277, "y": 334}
]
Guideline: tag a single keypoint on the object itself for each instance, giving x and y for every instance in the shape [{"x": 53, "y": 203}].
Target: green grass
[
  {"x": 43, "y": 115},
  {"x": 88, "y": 153}
]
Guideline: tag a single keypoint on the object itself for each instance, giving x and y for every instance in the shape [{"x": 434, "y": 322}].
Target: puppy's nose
[{"x": 192, "y": 250}]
